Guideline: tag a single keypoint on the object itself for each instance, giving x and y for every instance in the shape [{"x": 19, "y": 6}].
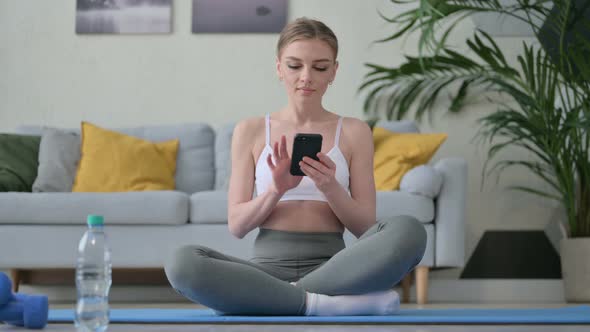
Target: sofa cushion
[
  {"x": 209, "y": 207},
  {"x": 146, "y": 207},
  {"x": 194, "y": 164},
  {"x": 59, "y": 154}
]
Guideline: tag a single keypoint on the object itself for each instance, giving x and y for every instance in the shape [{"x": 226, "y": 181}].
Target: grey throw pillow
[
  {"x": 223, "y": 139},
  {"x": 422, "y": 180},
  {"x": 59, "y": 154}
]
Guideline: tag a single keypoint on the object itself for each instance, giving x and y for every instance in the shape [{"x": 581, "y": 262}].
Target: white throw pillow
[{"x": 422, "y": 180}]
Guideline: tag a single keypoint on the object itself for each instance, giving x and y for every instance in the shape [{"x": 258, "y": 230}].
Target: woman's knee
[
  {"x": 185, "y": 264},
  {"x": 409, "y": 229}
]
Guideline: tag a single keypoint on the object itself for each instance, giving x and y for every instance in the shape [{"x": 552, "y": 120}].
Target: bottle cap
[{"x": 94, "y": 220}]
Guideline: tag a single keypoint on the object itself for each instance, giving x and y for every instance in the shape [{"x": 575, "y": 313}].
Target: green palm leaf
[{"x": 548, "y": 112}]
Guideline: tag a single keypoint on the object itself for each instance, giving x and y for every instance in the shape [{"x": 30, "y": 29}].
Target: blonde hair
[{"x": 305, "y": 28}]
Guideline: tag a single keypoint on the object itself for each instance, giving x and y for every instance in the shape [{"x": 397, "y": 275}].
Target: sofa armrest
[{"x": 450, "y": 213}]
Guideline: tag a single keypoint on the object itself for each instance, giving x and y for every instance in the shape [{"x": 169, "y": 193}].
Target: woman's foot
[{"x": 376, "y": 303}]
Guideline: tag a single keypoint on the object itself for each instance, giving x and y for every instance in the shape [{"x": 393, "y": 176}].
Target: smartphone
[{"x": 304, "y": 145}]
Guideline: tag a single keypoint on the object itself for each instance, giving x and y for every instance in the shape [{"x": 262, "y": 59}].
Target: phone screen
[{"x": 304, "y": 145}]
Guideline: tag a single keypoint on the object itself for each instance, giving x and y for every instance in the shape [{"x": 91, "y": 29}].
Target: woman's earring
[
  {"x": 281, "y": 78},
  {"x": 330, "y": 83}
]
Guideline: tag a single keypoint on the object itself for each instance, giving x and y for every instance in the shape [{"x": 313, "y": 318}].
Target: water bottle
[{"x": 93, "y": 278}]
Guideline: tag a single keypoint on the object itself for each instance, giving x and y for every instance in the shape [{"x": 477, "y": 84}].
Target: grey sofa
[{"x": 41, "y": 230}]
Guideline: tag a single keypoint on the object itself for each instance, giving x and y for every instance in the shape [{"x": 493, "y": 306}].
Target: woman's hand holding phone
[
  {"x": 281, "y": 176},
  {"x": 322, "y": 172},
  {"x": 308, "y": 160}
]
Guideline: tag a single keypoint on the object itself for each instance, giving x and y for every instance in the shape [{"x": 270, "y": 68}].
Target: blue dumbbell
[
  {"x": 28, "y": 311},
  {"x": 21, "y": 310},
  {"x": 5, "y": 289}
]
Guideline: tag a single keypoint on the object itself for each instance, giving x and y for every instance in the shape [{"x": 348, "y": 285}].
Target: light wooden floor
[{"x": 323, "y": 328}]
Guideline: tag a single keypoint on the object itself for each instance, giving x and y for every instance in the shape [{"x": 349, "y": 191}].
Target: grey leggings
[{"x": 318, "y": 262}]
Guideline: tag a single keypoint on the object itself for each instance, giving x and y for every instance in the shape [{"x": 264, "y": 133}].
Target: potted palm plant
[{"x": 543, "y": 102}]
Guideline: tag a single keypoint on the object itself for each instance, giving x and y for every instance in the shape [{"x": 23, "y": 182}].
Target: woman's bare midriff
[{"x": 303, "y": 216}]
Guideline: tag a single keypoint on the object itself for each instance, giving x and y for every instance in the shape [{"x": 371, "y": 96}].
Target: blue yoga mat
[{"x": 564, "y": 315}]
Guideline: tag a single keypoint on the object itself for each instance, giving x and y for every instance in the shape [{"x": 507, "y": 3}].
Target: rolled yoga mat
[{"x": 564, "y": 315}]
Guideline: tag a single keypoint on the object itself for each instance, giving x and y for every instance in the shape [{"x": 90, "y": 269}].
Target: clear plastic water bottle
[{"x": 93, "y": 278}]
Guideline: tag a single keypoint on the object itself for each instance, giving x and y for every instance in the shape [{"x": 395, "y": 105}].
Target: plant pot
[{"x": 575, "y": 268}]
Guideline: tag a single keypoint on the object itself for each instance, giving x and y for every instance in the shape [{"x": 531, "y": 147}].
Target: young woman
[{"x": 300, "y": 264}]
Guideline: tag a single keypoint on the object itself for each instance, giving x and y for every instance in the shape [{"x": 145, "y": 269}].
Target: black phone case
[{"x": 304, "y": 145}]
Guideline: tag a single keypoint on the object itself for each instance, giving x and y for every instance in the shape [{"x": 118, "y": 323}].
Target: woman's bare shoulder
[
  {"x": 249, "y": 128},
  {"x": 356, "y": 134},
  {"x": 353, "y": 127}
]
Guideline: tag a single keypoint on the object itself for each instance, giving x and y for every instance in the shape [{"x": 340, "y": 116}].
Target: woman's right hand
[{"x": 280, "y": 169}]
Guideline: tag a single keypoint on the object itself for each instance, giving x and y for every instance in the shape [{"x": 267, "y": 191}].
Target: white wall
[{"x": 49, "y": 75}]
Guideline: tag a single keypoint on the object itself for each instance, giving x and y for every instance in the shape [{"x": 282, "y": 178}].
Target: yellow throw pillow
[
  {"x": 113, "y": 162},
  {"x": 397, "y": 153}
]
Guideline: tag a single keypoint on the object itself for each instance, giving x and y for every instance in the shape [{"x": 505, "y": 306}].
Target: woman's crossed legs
[{"x": 375, "y": 263}]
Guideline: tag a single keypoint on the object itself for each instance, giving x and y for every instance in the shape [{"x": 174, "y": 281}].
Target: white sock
[{"x": 375, "y": 304}]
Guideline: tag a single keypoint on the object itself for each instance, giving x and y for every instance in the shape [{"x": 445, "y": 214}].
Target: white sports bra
[{"x": 306, "y": 190}]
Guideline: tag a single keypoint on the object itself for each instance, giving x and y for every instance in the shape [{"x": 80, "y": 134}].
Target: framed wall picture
[
  {"x": 123, "y": 16},
  {"x": 242, "y": 16}
]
